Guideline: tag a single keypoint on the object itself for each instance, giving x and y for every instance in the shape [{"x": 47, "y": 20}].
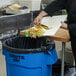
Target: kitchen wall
[
  {"x": 4, "y": 3},
  {"x": 32, "y": 4},
  {"x": 47, "y": 1}
]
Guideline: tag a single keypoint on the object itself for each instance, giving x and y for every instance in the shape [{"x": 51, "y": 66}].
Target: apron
[{"x": 71, "y": 9}]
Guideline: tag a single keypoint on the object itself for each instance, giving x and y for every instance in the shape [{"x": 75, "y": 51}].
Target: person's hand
[
  {"x": 38, "y": 19},
  {"x": 63, "y": 25}
]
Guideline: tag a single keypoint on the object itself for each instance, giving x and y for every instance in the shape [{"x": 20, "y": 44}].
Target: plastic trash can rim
[{"x": 18, "y": 50}]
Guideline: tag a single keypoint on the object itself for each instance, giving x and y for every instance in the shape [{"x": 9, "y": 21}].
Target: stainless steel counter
[{"x": 14, "y": 22}]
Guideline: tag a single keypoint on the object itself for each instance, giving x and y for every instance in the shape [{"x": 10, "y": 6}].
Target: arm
[
  {"x": 50, "y": 9},
  {"x": 55, "y": 6},
  {"x": 70, "y": 27}
]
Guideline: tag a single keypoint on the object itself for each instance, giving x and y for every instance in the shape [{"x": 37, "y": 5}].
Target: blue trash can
[{"x": 29, "y": 57}]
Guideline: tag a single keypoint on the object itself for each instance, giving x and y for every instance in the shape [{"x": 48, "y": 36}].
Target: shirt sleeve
[{"x": 55, "y": 6}]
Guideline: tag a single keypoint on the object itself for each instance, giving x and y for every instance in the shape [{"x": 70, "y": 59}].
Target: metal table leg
[{"x": 63, "y": 55}]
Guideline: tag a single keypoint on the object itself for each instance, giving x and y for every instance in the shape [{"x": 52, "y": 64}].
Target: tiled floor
[{"x": 2, "y": 60}]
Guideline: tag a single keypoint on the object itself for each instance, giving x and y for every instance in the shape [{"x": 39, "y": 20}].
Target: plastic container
[{"x": 29, "y": 57}]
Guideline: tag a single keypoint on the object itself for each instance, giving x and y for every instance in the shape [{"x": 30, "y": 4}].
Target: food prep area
[{"x": 34, "y": 49}]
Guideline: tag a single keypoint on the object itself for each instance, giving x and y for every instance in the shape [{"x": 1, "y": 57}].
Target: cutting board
[{"x": 53, "y": 23}]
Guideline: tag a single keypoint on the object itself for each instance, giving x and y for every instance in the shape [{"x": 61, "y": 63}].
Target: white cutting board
[{"x": 53, "y": 23}]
